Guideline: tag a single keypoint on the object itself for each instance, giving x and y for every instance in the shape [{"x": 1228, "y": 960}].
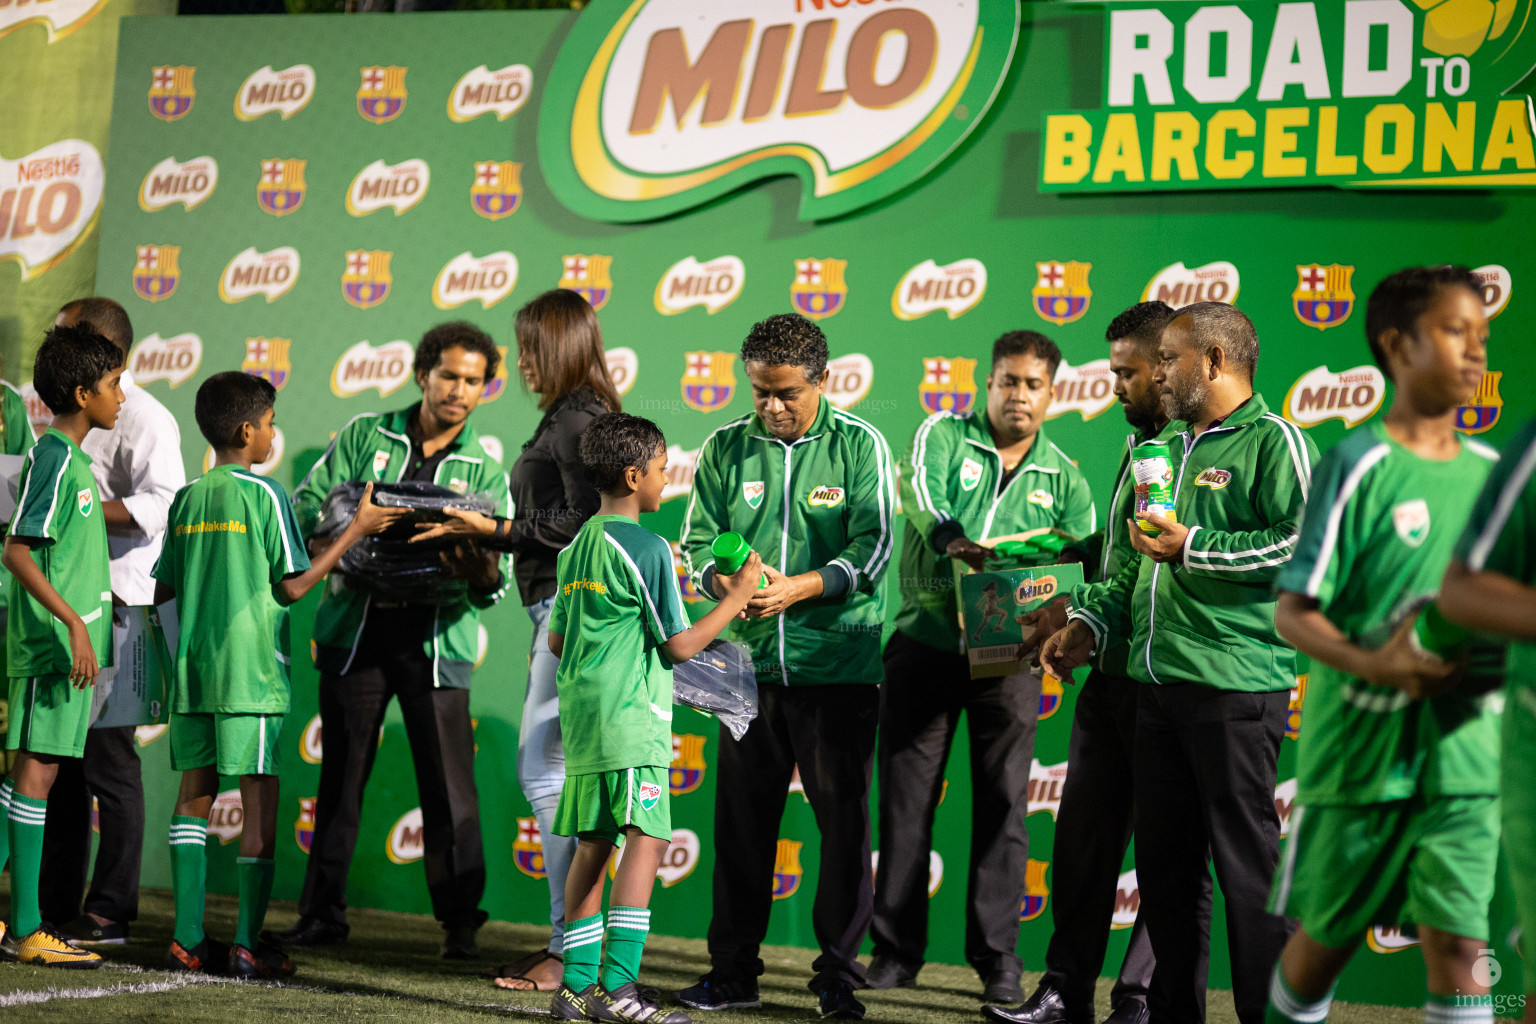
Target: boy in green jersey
[
  {"x": 60, "y": 626},
  {"x": 617, "y": 627},
  {"x": 1396, "y": 817},
  {"x": 1491, "y": 587},
  {"x": 234, "y": 559}
]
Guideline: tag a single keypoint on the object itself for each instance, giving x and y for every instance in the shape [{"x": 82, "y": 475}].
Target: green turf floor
[{"x": 390, "y": 971}]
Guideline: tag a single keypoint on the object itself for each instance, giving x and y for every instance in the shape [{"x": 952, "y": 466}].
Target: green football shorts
[
  {"x": 1520, "y": 815},
  {"x": 1404, "y": 862},
  {"x": 602, "y": 805},
  {"x": 48, "y": 716},
  {"x": 236, "y": 744}
]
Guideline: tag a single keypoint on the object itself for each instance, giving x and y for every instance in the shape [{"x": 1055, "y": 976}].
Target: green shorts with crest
[{"x": 602, "y": 805}]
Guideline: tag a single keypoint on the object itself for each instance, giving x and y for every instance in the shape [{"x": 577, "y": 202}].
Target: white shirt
[{"x": 138, "y": 462}]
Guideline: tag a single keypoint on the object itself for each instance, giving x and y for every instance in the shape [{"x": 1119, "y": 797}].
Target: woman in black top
[{"x": 560, "y": 356}]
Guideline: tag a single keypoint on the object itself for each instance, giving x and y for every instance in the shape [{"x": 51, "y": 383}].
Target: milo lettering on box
[{"x": 992, "y": 605}]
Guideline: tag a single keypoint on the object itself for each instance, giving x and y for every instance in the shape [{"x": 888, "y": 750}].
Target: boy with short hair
[
  {"x": 1396, "y": 818},
  {"x": 234, "y": 559},
  {"x": 619, "y": 604},
  {"x": 60, "y": 627}
]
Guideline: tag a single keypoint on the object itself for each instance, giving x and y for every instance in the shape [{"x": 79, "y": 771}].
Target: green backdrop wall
[{"x": 257, "y": 206}]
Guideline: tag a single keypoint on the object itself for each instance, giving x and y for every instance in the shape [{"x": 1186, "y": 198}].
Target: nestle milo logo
[
  {"x": 655, "y": 106},
  {"x": 1035, "y": 590}
]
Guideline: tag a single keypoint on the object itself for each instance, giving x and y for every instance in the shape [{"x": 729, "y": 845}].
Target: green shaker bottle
[
  {"x": 731, "y": 551},
  {"x": 1434, "y": 634}
]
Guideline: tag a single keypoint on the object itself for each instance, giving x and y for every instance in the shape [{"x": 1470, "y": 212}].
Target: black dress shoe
[
  {"x": 888, "y": 972},
  {"x": 1046, "y": 1006},
  {"x": 1002, "y": 987},
  {"x": 1129, "y": 1011},
  {"x": 309, "y": 931}
]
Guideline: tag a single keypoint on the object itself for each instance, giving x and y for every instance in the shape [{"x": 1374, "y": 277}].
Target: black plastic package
[{"x": 719, "y": 681}]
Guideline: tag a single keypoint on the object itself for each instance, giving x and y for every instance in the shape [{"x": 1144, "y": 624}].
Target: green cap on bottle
[
  {"x": 731, "y": 551},
  {"x": 1434, "y": 634}
]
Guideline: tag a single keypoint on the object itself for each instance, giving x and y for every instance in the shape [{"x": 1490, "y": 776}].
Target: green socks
[
  {"x": 583, "y": 943},
  {"x": 255, "y": 891},
  {"x": 1286, "y": 1007},
  {"x": 189, "y": 878},
  {"x": 6, "y": 789},
  {"x": 25, "y": 824},
  {"x": 1442, "y": 1009},
  {"x": 627, "y": 929}
]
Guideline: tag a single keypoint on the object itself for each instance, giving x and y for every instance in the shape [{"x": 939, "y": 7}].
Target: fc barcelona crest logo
[
  {"x": 588, "y": 277},
  {"x": 497, "y": 385},
  {"x": 281, "y": 188},
  {"x": 156, "y": 273},
  {"x": 170, "y": 91},
  {"x": 819, "y": 289},
  {"x": 1036, "y": 892},
  {"x": 528, "y": 849},
  {"x": 687, "y": 770},
  {"x": 498, "y": 188},
  {"x": 948, "y": 385},
  {"x": 1483, "y": 411},
  {"x": 1061, "y": 291},
  {"x": 1323, "y": 298},
  {"x": 268, "y": 358},
  {"x": 708, "y": 382},
  {"x": 1050, "y": 695},
  {"x": 381, "y": 97},
  {"x": 366, "y": 281},
  {"x": 304, "y": 828},
  {"x": 786, "y": 869}
]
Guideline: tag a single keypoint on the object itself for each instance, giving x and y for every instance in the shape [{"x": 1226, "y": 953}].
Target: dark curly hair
[
  {"x": 1142, "y": 323},
  {"x": 456, "y": 334},
  {"x": 227, "y": 400},
  {"x": 787, "y": 339},
  {"x": 615, "y": 441},
  {"x": 1400, "y": 299},
  {"x": 1027, "y": 343},
  {"x": 72, "y": 357}
]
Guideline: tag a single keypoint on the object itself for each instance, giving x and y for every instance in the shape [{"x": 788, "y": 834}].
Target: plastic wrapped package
[
  {"x": 720, "y": 682},
  {"x": 389, "y": 565}
]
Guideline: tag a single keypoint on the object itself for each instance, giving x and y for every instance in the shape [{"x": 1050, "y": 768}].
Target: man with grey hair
[{"x": 1198, "y": 608}]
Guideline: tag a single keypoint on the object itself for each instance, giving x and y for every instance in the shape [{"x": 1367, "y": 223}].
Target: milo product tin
[{"x": 1152, "y": 465}]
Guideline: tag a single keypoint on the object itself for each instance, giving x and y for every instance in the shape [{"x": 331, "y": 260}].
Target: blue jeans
[{"x": 541, "y": 765}]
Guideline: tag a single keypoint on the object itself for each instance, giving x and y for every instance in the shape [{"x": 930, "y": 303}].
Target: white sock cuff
[
  {"x": 1476, "y": 1010},
  {"x": 186, "y": 833},
  {"x": 26, "y": 813},
  {"x": 1293, "y": 1006},
  {"x": 586, "y": 935}
]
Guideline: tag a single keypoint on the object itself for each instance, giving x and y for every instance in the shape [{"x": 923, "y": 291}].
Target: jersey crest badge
[
  {"x": 970, "y": 474},
  {"x": 828, "y": 496},
  {"x": 157, "y": 272},
  {"x": 949, "y": 385},
  {"x": 1051, "y": 694},
  {"x": 1411, "y": 521},
  {"x": 1042, "y": 497},
  {"x": 650, "y": 795},
  {"x": 752, "y": 491},
  {"x": 1213, "y": 478},
  {"x": 268, "y": 358},
  {"x": 587, "y": 276},
  {"x": 381, "y": 97},
  {"x": 708, "y": 380},
  {"x": 687, "y": 770},
  {"x": 1323, "y": 297},
  {"x": 498, "y": 188},
  {"x": 1061, "y": 291},
  {"x": 280, "y": 189},
  {"x": 786, "y": 869},
  {"x": 1036, "y": 892},
  {"x": 819, "y": 288},
  {"x": 304, "y": 827},
  {"x": 170, "y": 91},
  {"x": 380, "y": 463},
  {"x": 85, "y": 500},
  {"x": 1483, "y": 411},
  {"x": 367, "y": 280},
  {"x": 528, "y": 848}
]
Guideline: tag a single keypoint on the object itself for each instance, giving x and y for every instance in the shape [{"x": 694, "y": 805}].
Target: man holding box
[
  {"x": 969, "y": 478},
  {"x": 1199, "y": 611},
  {"x": 812, "y": 489}
]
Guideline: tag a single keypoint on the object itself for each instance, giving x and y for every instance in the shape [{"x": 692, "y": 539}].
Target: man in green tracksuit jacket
[
  {"x": 369, "y": 649},
  {"x": 1198, "y": 608},
  {"x": 971, "y": 478},
  {"x": 813, "y": 490}
]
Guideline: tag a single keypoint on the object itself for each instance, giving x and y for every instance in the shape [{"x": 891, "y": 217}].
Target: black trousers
[
  {"x": 1205, "y": 792},
  {"x": 110, "y": 772},
  {"x": 829, "y": 731},
  {"x": 925, "y": 691},
  {"x": 1093, "y": 828},
  {"x": 443, "y": 752}
]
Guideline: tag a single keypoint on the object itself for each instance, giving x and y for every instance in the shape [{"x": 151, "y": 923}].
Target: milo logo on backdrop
[
  {"x": 656, "y": 106},
  {"x": 48, "y": 203}
]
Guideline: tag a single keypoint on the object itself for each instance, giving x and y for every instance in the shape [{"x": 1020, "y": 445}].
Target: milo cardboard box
[{"x": 993, "y": 602}]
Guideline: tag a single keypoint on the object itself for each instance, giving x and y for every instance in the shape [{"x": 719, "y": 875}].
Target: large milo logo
[{"x": 656, "y": 106}]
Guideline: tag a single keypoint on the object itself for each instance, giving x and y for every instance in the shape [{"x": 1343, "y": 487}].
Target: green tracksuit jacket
[
  {"x": 374, "y": 446},
  {"x": 953, "y": 487},
  {"x": 1209, "y": 616},
  {"x": 824, "y": 503}
]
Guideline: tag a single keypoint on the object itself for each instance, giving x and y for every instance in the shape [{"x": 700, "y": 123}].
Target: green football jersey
[
  {"x": 232, "y": 536},
  {"x": 617, "y": 604},
  {"x": 1500, "y": 532},
  {"x": 1379, "y": 529},
  {"x": 16, "y": 438},
  {"x": 57, "y": 504}
]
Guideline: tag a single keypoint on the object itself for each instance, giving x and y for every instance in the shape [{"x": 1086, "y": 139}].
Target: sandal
[{"x": 519, "y": 971}]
